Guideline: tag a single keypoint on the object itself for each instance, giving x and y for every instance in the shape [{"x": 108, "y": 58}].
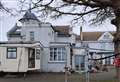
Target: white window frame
[
  {"x": 60, "y": 52},
  {"x": 11, "y": 51},
  {"x": 32, "y": 35}
]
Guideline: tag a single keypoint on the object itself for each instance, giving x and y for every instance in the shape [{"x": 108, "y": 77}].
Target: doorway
[
  {"x": 79, "y": 62},
  {"x": 31, "y": 58}
]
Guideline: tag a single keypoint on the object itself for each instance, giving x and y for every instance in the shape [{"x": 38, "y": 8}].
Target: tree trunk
[
  {"x": 117, "y": 44},
  {"x": 116, "y": 22}
]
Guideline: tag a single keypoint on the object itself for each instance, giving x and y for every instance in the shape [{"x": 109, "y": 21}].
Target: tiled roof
[
  {"x": 91, "y": 36},
  {"x": 62, "y": 30},
  {"x": 29, "y": 15}
]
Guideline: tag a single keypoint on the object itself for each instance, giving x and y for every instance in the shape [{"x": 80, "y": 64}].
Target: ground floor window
[
  {"x": 11, "y": 53},
  {"x": 108, "y": 61},
  {"x": 79, "y": 62},
  {"x": 57, "y": 54}
]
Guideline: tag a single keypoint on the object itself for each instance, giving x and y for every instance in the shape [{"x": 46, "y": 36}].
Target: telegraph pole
[
  {"x": 87, "y": 76},
  {"x": 66, "y": 70},
  {"x": 66, "y": 73}
]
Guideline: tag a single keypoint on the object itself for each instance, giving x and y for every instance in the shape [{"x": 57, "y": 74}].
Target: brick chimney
[{"x": 81, "y": 34}]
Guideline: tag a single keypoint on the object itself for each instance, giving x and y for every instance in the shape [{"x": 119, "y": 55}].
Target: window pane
[
  {"x": 63, "y": 49},
  {"x": 51, "y": 56},
  {"x": 59, "y": 49},
  {"x": 59, "y": 56},
  {"x": 11, "y": 53},
  {"x": 32, "y": 36},
  {"x": 51, "y": 49},
  {"x": 63, "y": 56},
  {"x": 55, "y": 55}
]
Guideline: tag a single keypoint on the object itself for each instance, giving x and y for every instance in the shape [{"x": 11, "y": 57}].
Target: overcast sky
[{"x": 7, "y": 22}]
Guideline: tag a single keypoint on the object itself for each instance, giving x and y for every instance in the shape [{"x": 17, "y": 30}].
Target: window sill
[
  {"x": 56, "y": 62},
  {"x": 11, "y": 58}
]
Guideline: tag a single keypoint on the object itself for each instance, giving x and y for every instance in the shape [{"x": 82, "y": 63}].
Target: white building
[
  {"x": 55, "y": 40},
  {"x": 60, "y": 46},
  {"x": 100, "y": 45}
]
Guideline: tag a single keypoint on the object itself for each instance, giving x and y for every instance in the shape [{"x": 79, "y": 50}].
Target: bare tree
[{"x": 5, "y": 9}]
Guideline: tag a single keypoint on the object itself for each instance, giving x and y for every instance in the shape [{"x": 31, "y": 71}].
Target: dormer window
[{"x": 32, "y": 38}]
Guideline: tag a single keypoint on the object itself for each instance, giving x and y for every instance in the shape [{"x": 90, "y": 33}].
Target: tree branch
[
  {"x": 5, "y": 9},
  {"x": 65, "y": 13},
  {"x": 90, "y": 3}
]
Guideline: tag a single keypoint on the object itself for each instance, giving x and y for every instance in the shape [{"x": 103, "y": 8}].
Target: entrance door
[
  {"x": 31, "y": 58},
  {"x": 79, "y": 62}
]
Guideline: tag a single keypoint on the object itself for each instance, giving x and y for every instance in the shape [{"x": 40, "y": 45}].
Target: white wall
[
  {"x": 11, "y": 65},
  {"x": 70, "y": 39},
  {"x": 54, "y": 66},
  {"x": 14, "y": 38},
  {"x": 44, "y": 34},
  {"x": 20, "y": 64},
  {"x": 44, "y": 60}
]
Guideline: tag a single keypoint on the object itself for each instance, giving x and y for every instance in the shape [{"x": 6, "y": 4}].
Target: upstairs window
[
  {"x": 103, "y": 45},
  {"x": 58, "y": 54},
  {"x": 32, "y": 34},
  {"x": 106, "y": 36},
  {"x": 11, "y": 53}
]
